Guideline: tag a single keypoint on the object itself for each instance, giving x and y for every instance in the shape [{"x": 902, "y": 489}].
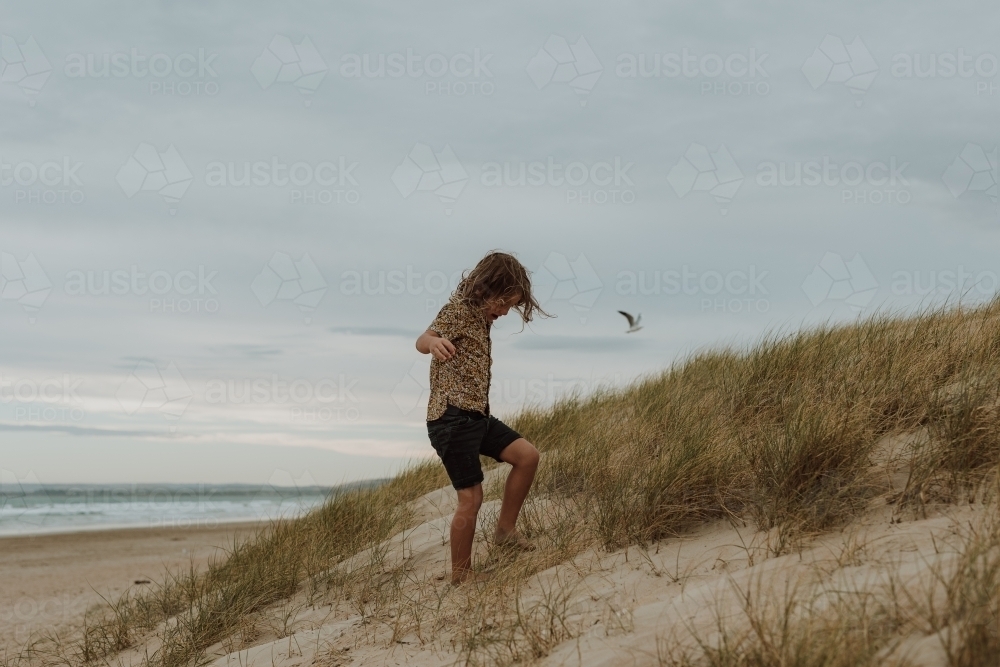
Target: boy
[{"x": 459, "y": 422}]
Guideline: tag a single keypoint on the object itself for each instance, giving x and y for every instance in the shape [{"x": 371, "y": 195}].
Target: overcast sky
[{"x": 224, "y": 226}]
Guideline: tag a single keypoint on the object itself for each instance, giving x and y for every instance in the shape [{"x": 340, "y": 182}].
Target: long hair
[{"x": 499, "y": 275}]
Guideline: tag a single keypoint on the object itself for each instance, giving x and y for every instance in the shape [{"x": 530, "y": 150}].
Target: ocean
[{"x": 28, "y": 509}]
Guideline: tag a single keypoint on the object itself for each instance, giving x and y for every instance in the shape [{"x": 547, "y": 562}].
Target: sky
[{"x": 222, "y": 227}]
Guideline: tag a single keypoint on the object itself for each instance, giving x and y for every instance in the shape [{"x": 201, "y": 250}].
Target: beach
[{"x": 47, "y": 582}]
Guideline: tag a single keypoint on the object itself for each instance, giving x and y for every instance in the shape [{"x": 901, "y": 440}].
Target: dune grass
[
  {"x": 781, "y": 435},
  {"x": 957, "y": 607}
]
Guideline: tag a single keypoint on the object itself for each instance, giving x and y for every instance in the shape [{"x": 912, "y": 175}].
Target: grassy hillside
[{"x": 787, "y": 437}]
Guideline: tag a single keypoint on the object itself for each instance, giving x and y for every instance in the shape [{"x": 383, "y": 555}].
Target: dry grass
[
  {"x": 781, "y": 435},
  {"x": 956, "y": 606}
]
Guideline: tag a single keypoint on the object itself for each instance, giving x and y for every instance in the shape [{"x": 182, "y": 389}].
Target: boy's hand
[
  {"x": 442, "y": 349},
  {"x": 431, "y": 342}
]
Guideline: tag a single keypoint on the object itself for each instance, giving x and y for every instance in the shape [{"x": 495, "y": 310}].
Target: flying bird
[{"x": 633, "y": 322}]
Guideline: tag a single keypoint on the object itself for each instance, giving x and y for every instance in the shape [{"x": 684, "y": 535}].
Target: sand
[
  {"x": 620, "y": 608},
  {"x": 623, "y": 607},
  {"x": 47, "y": 582}
]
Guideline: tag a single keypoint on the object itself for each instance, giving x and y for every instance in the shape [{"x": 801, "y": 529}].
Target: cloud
[
  {"x": 398, "y": 332},
  {"x": 581, "y": 343},
  {"x": 246, "y": 350},
  {"x": 70, "y": 429}
]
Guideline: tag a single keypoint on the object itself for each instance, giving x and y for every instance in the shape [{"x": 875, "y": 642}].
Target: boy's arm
[{"x": 431, "y": 342}]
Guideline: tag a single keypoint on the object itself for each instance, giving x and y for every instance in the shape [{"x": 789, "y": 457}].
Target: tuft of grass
[
  {"x": 963, "y": 424},
  {"x": 787, "y": 629},
  {"x": 807, "y": 475}
]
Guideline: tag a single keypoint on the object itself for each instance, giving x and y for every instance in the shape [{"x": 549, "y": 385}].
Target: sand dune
[{"x": 628, "y": 607}]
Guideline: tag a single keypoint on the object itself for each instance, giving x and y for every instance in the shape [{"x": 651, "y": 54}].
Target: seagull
[{"x": 633, "y": 322}]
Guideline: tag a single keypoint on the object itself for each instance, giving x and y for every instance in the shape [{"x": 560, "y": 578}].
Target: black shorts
[{"x": 460, "y": 436}]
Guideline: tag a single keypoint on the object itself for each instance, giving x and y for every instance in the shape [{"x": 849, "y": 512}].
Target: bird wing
[{"x": 631, "y": 322}]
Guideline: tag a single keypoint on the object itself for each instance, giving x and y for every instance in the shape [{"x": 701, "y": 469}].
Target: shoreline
[{"x": 166, "y": 525}]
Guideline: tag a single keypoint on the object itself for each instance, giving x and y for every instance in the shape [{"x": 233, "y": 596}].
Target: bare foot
[{"x": 513, "y": 541}]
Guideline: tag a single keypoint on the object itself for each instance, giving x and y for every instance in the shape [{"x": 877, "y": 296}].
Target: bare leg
[
  {"x": 463, "y": 531},
  {"x": 523, "y": 458}
]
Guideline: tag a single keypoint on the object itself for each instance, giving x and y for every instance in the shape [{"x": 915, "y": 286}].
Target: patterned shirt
[{"x": 463, "y": 380}]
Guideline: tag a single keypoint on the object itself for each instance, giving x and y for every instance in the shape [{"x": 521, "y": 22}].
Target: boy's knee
[
  {"x": 521, "y": 454},
  {"x": 471, "y": 505},
  {"x": 470, "y": 499},
  {"x": 531, "y": 456}
]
